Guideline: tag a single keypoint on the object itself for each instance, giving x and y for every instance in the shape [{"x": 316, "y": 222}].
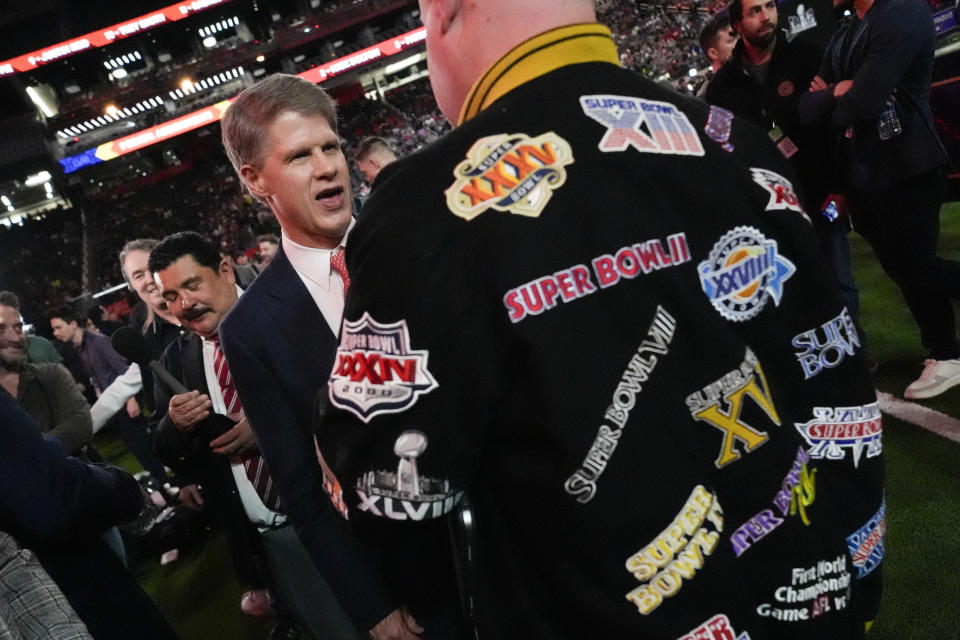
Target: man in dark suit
[
  {"x": 873, "y": 88},
  {"x": 205, "y": 429},
  {"x": 57, "y": 506},
  {"x": 280, "y": 338}
]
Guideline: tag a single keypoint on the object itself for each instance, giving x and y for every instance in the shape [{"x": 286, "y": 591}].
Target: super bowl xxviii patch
[{"x": 511, "y": 172}]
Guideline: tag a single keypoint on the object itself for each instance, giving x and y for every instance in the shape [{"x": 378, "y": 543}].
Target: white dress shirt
[{"x": 324, "y": 284}]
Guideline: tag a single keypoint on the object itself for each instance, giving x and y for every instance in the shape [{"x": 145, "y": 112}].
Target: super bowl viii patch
[
  {"x": 743, "y": 272},
  {"x": 376, "y": 371},
  {"x": 648, "y": 126},
  {"x": 512, "y": 173}
]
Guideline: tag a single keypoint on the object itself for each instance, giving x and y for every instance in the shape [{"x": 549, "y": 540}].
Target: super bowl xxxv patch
[
  {"x": 514, "y": 173},
  {"x": 376, "y": 371},
  {"x": 743, "y": 272}
]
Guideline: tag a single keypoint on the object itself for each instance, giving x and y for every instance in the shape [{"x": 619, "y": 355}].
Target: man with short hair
[
  {"x": 627, "y": 374},
  {"x": 102, "y": 365},
  {"x": 717, "y": 40},
  {"x": 267, "y": 245},
  {"x": 46, "y": 391},
  {"x": 372, "y": 155},
  {"x": 873, "y": 90},
  {"x": 280, "y": 338},
  {"x": 39, "y": 349}
]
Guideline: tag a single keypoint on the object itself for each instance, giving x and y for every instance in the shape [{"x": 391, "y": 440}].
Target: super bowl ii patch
[
  {"x": 743, "y": 272},
  {"x": 376, "y": 371},
  {"x": 512, "y": 173}
]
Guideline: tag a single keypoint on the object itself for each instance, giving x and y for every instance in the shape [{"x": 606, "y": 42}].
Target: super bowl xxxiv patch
[
  {"x": 834, "y": 430},
  {"x": 646, "y": 125},
  {"x": 743, "y": 272},
  {"x": 782, "y": 194},
  {"x": 405, "y": 494},
  {"x": 866, "y": 544},
  {"x": 716, "y": 628},
  {"x": 376, "y": 371},
  {"x": 678, "y": 552},
  {"x": 514, "y": 173}
]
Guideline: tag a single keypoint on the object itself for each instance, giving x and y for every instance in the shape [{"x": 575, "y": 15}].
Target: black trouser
[{"x": 902, "y": 224}]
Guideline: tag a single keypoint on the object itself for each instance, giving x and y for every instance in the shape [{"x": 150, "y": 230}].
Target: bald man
[{"x": 653, "y": 397}]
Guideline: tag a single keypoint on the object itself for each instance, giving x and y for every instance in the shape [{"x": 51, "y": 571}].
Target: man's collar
[{"x": 538, "y": 56}]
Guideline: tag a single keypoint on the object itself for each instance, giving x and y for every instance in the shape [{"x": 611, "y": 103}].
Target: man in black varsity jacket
[{"x": 653, "y": 396}]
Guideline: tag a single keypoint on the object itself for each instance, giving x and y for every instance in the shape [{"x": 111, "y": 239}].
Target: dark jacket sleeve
[
  {"x": 290, "y": 452},
  {"x": 896, "y": 38},
  {"x": 45, "y": 495},
  {"x": 73, "y": 426}
]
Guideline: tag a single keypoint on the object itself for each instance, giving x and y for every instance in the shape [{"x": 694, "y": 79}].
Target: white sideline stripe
[{"x": 923, "y": 417}]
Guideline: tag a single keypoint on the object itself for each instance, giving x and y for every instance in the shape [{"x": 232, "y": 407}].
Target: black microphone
[{"x": 131, "y": 344}]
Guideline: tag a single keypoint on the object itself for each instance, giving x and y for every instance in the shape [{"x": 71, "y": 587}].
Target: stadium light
[
  {"x": 186, "y": 84},
  {"x": 36, "y": 179},
  {"x": 111, "y": 110}
]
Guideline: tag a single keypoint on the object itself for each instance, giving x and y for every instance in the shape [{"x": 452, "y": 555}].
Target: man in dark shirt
[{"x": 873, "y": 89}]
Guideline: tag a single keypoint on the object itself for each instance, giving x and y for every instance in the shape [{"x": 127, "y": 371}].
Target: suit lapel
[{"x": 295, "y": 312}]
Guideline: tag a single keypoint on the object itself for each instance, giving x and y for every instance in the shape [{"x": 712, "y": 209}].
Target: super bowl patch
[
  {"x": 782, "y": 194},
  {"x": 646, "y": 125},
  {"x": 866, "y": 544},
  {"x": 835, "y": 430},
  {"x": 718, "y": 126},
  {"x": 716, "y": 628},
  {"x": 513, "y": 173},
  {"x": 376, "y": 371},
  {"x": 405, "y": 493},
  {"x": 743, "y": 272}
]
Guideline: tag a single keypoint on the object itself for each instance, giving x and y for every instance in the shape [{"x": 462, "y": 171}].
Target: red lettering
[
  {"x": 581, "y": 277},
  {"x": 649, "y": 260},
  {"x": 566, "y": 286},
  {"x": 627, "y": 263},
  {"x": 531, "y": 299},
  {"x": 664, "y": 259},
  {"x": 550, "y": 291},
  {"x": 515, "y": 310},
  {"x": 620, "y": 139},
  {"x": 405, "y": 370},
  {"x": 606, "y": 274}
]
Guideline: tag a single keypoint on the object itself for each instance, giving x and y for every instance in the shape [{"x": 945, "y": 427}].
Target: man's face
[
  {"x": 304, "y": 179},
  {"x": 723, "y": 47},
  {"x": 135, "y": 266},
  {"x": 13, "y": 346},
  {"x": 63, "y": 331},
  {"x": 242, "y": 259},
  {"x": 369, "y": 168},
  {"x": 267, "y": 251},
  {"x": 197, "y": 295},
  {"x": 759, "y": 24}
]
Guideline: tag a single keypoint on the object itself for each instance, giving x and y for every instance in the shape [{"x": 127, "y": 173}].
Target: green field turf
[{"x": 200, "y": 597}]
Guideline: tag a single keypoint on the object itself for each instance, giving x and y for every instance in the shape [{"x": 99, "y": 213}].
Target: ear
[
  {"x": 226, "y": 270},
  {"x": 713, "y": 54},
  {"x": 449, "y": 9},
  {"x": 254, "y": 181}
]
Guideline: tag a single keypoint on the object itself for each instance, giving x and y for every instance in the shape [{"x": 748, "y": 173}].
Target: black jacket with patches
[
  {"x": 775, "y": 102},
  {"x": 684, "y": 421}
]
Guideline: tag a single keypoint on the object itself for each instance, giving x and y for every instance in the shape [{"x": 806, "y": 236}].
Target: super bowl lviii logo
[
  {"x": 514, "y": 173},
  {"x": 743, "y": 272},
  {"x": 376, "y": 371}
]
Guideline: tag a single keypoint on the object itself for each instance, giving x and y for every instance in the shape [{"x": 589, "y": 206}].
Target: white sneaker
[{"x": 937, "y": 377}]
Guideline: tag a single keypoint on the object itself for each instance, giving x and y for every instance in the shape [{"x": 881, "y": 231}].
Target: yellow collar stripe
[{"x": 540, "y": 55}]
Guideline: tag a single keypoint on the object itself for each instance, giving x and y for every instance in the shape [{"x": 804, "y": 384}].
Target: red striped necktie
[
  {"x": 253, "y": 463},
  {"x": 338, "y": 263}
]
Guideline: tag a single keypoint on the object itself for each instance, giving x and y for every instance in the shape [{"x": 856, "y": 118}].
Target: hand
[
  {"x": 398, "y": 625},
  {"x": 190, "y": 497},
  {"x": 818, "y": 84},
  {"x": 239, "y": 439},
  {"x": 187, "y": 409},
  {"x": 840, "y": 201},
  {"x": 133, "y": 409},
  {"x": 842, "y": 87}
]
